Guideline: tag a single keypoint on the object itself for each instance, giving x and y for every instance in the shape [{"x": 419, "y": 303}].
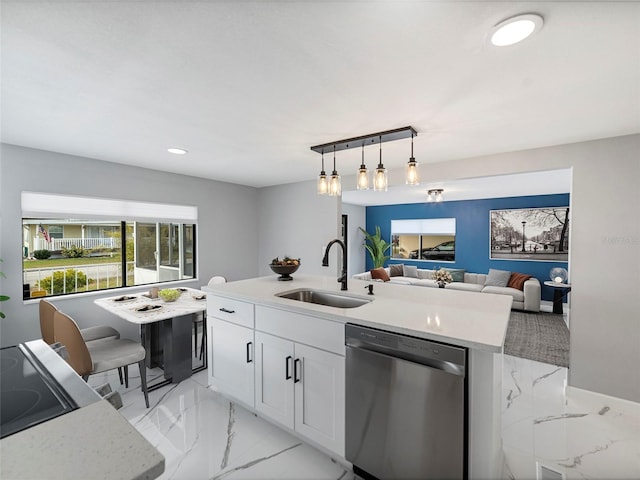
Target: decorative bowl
[
  {"x": 169, "y": 294},
  {"x": 284, "y": 271}
]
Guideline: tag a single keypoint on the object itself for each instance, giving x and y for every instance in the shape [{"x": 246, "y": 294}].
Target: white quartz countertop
[
  {"x": 468, "y": 319},
  {"x": 94, "y": 442}
]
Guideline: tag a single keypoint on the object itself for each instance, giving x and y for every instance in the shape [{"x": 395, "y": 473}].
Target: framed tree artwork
[{"x": 540, "y": 234}]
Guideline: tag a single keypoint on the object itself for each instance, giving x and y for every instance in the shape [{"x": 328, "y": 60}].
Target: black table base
[{"x": 168, "y": 346}]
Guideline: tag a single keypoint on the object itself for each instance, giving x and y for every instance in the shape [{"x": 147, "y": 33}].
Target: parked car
[{"x": 445, "y": 251}]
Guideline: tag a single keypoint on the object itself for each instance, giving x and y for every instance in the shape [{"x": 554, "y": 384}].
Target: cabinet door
[
  {"x": 274, "y": 378},
  {"x": 231, "y": 354},
  {"x": 320, "y": 397}
]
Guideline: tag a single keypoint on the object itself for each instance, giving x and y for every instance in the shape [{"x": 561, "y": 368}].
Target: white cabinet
[
  {"x": 294, "y": 375},
  {"x": 320, "y": 397},
  {"x": 230, "y": 348},
  {"x": 274, "y": 378},
  {"x": 302, "y": 388}
]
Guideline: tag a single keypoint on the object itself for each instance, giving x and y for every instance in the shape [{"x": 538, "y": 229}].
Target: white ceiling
[
  {"x": 248, "y": 87},
  {"x": 515, "y": 185}
]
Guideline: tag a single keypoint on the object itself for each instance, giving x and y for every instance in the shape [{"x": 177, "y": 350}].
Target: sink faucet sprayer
[{"x": 325, "y": 261}]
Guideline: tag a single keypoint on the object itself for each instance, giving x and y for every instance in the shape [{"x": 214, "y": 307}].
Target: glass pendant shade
[
  {"x": 363, "y": 179},
  {"x": 413, "y": 177},
  {"x": 380, "y": 179},
  {"x": 323, "y": 183},
  {"x": 335, "y": 185},
  {"x": 362, "y": 182}
]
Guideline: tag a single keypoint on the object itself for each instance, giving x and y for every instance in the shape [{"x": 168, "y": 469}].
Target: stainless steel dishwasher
[{"x": 406, "y": 406}]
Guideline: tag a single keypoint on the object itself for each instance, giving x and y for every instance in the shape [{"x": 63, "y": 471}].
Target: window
[
  {"x": 424, "y": 239},
  {"x": 87, "y": 254}
]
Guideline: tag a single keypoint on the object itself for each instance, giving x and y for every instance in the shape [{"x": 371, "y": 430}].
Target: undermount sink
[{"x": 319, "y": 297}]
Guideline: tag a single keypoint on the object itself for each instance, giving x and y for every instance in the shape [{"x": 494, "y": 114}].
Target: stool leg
[
  {"x": 126, "y": 376},
  {"x": 204, "y": 341},
  {"x": 195, "y": 339},
  {"x": 120, "y": 374},
  {"x": 143, "y": 381}
]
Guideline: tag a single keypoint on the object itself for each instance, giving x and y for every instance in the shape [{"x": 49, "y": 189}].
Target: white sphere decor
[{"x": 559, "y": 275}]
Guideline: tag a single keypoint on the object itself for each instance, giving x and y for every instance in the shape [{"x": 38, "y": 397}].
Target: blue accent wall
[{"x": 472, "y": 232}]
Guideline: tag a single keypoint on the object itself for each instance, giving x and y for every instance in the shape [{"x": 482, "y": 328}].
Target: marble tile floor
[{"x": 203, "y": 436}]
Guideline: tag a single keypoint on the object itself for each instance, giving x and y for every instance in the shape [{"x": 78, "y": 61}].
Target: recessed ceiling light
[
  {"x": 177, "y": 151},
  {"x": 515, "y": 29}
]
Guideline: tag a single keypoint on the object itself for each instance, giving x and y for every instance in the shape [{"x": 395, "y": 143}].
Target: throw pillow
[
  {"x": 380, "y": 274},
  {"x": 410, "y": 271},
  {"x": 497, "y": 278},
  {"x": 457, "y": 274},
  {"x": 395, "y": 270},
  {"x": 517, "y": 280}
]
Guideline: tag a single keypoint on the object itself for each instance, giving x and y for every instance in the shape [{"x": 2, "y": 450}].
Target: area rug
[{"x": 542, "y": 337}]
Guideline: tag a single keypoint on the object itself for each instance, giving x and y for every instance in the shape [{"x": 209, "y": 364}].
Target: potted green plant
[
  {"x": 2, "y": 297},
  {"x": 377, "y": 247}
]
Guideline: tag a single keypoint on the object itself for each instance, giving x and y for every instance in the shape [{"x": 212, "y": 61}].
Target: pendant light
[
  {"x": 323, "y": 184},
  {"x": 363, "y": 175},
  {"x": 412, "y": 178},
  {"x": 335, "y": 187},
  {"x": 380, "y": 179}
]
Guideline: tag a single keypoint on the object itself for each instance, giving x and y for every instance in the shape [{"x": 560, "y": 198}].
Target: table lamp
[{"x": 559, "y": 275}]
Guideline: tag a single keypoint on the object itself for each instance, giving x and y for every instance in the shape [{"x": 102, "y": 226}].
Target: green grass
[{"x": 68, "y": 262}]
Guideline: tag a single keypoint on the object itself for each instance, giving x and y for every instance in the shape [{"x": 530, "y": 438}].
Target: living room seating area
[{"x": 524, "y": 289}]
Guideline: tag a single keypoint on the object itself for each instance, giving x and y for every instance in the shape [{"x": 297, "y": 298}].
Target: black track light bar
[{"x": 364, "y": 140}]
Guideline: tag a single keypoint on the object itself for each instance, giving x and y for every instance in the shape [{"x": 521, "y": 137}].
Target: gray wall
[
  {"x": 293, "y": 220},
  {"x": 605, "y": 251},
  {"x": 227, "y": 237},
  {"x": 297, "y": 222}
]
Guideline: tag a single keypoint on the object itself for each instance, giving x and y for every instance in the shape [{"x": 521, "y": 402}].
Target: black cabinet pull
[
  {"x": 287, "y": 362},
  {"x": 249, "y": 359},
  {"x": 296, "y": 371},
  {"x": 227, "y": 311}
]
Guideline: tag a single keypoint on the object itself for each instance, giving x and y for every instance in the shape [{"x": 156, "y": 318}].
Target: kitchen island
[{"x": 263, "y": 324}]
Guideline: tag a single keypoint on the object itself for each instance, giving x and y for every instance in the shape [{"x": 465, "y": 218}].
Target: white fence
[
  {"x": 88, "y": 243},
  {"x": 105, "y": 275}
]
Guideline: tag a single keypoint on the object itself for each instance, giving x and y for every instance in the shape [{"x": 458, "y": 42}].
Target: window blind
[{"x": 52, "y": 205}]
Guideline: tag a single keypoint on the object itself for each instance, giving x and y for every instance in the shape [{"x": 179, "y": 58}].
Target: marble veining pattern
[
  {"x": 580, "y": 434},
  {"x": 204, "y": 436}
]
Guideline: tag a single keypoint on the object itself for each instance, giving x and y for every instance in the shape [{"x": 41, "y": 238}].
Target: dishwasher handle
[{"x": 449, "y": 358}]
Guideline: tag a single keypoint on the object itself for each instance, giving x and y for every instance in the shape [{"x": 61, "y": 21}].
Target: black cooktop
[{"x": 28, "y": 393}]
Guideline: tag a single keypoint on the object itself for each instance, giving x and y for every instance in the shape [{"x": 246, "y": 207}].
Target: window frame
[
  {"x": 74, "y": 210},
  {"x": 422, "y": 229}
]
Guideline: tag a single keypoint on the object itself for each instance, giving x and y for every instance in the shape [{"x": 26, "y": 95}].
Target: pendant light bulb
[
  {"x": 323, "y": 184},
  {"x": 380, "y": 179},
  {"x": 412, "y": 176},
  {"x": 335, "y": 186},
  {"x": 363, "y": 175}
]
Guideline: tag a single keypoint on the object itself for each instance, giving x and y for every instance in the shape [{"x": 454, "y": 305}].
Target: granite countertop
[
  {"x": 94, "y": 442},
  {"x": 469, "y": 319}
]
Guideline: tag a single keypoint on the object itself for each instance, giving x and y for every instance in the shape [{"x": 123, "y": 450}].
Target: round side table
[{"x": 559, "y": 291}]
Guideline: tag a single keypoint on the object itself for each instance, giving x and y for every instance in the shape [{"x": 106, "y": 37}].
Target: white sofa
[{"x": 526, "y": 299}]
